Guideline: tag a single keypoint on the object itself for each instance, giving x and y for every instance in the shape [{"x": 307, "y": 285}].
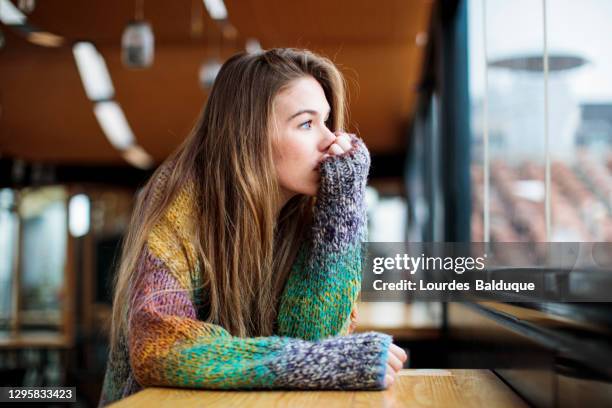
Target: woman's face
[{"x": 300, "y": 136}]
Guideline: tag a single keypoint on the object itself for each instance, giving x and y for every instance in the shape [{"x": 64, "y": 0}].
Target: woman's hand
[
  {"x": 354, "y": 317},
  {"x": 342, "y": 144},
  {"x": 395, "y": 358},
  {"x": 395, "y": 361}
]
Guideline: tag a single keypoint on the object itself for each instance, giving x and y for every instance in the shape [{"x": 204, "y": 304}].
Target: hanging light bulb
[
  {"x": 138, "y": 42},
  {"x": 208, "y": 72},
  {"x": 197, "y": 27},
  {"x": 27, "y": 6},
  {"x": 212, "y": 65},
  {"x": 229, "y": 31},
  {"x": 253, "y": 46},
  {"x": 137, "y": 45}
]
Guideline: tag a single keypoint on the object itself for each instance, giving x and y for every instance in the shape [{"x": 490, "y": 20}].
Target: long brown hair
[{"x": 244, "y": 248}]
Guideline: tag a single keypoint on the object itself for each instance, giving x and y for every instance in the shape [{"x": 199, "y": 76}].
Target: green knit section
[
  {"x": 226, "y": 363},
  {"x": 316, "y": 303}
]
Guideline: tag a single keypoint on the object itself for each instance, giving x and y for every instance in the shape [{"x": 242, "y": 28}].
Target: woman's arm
[
  {"x": 325, "y": 280},
  {"x": 168, "y": 346}
]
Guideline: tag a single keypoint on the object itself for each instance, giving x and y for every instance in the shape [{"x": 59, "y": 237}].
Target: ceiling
[{"x": 45, "y": 115}]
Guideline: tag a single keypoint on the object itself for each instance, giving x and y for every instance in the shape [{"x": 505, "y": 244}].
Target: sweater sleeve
[
  {"x": 169, "y": 346},
  {"x": 325, "y": 280}
]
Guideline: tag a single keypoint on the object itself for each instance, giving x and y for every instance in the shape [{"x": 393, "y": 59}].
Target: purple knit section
[
  {"x": 158, "y": 289},
  {"x": 344, "y": 362},
  {"x": 339, "y": 219}
]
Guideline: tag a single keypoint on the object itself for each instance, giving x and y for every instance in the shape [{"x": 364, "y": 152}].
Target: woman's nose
[{"x": 328, "y": 138}]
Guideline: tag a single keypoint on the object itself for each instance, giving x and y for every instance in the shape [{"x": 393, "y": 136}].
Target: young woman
[{"x": 242, "y": 261}]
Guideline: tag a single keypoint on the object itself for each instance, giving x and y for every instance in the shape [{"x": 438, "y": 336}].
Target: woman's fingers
[
  {"x": 389, "y": 376},
  {"x": 344, "y": 142},
  {"x": 354, "y": 316},
  {"x": 398, "y": 352},
  {"x": 389, "y": 379},
  {"x": 394, "y": 362},
  {"x": 335, "y": 149},
  {"x": 341, "y": 144}
]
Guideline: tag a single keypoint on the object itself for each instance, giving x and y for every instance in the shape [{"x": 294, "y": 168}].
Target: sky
[{"x": 515, "y": 27}]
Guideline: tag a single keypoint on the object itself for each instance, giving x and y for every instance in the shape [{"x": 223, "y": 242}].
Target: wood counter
[{"x": 414, "y": 388}]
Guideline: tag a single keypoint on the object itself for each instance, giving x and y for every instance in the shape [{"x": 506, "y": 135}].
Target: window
[
  {"x": 541, "y": 98},
  {"x": 43, "y": 214},
  {"x": 8, "y": 236}
]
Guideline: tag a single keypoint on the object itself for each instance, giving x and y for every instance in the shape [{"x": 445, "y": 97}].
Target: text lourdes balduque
[{"x": 480, "y": 285}]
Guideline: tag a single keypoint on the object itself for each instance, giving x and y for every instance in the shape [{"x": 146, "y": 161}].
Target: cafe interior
[{"x": 474, "y": 137}]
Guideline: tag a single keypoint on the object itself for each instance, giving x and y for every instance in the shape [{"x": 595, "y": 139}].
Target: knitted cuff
[
  {"x": 346, "y": 362},
  {"x": 345, "y": 174},
  {"x": 340, "y": 213}
]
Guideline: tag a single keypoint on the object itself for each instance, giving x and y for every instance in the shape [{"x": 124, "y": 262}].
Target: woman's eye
[{"x": 309, "y": 123}]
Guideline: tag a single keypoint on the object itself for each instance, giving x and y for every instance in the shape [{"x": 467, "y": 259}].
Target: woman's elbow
[{"x": 147, "y": 364}]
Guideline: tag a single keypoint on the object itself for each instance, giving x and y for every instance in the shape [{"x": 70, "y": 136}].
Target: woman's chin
[{"x": 311, "y": 190}]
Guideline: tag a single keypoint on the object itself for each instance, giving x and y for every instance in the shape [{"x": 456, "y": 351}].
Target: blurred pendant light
[
  {"x": 212, "y": 65},
  {"x": 216, "y": 9},
  {"x": 208, "y": 72},
  {"x": 11, "y": 15},
  {"x": 93, "y": 71},
  {"x": 137, "y": 41},
  {"x": 252, "y": 46},
  {"x": 197, "y": 27},
  {"x": 27, "y": 6}
]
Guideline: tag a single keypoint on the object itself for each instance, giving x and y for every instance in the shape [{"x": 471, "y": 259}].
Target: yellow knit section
[{"x": 170, "y": 239}]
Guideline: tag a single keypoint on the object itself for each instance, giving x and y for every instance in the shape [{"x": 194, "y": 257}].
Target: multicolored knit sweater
[{"x": 167, "y": 345}]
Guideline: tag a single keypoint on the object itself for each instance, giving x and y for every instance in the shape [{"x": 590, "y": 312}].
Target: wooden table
[{"x": 415, "y": 388}]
